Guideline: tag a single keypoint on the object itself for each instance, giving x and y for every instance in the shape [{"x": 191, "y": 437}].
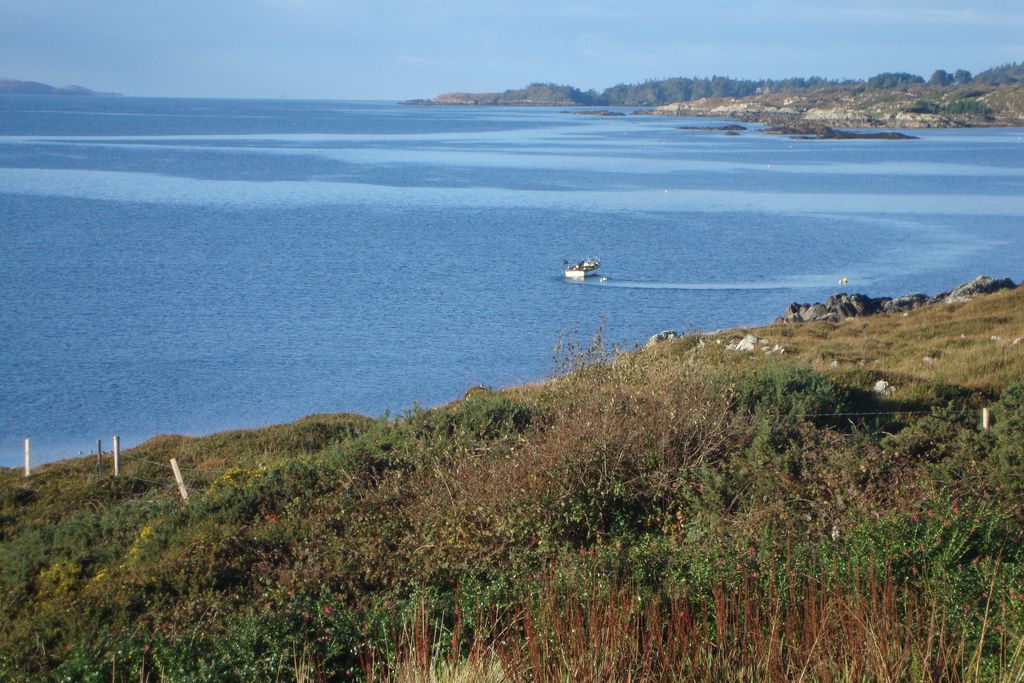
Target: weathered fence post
[
  {"x": 99, "y": 456},
  {"x": 177, "y": 478},
  {"x": 985, "y": 418},
  {"x": 28, "y": 456},
  {"x": 117, "y": 455}
]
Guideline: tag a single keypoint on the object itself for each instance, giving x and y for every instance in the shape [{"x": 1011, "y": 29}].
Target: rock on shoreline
[
  {"x": 732, "y": 127},
  {"x": 814, "y": 130},
  {"x": 842, "y": 305},
  {"x": 598, "y": 112}
]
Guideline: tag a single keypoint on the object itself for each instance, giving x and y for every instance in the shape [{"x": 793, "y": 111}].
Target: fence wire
[{"x": 202, "y": 485}]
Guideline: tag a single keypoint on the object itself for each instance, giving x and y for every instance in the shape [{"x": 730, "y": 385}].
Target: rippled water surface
[{"x": 195, "y": 265}]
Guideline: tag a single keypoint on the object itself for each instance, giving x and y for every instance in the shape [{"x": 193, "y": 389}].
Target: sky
[{"x": 401, "y": 49}]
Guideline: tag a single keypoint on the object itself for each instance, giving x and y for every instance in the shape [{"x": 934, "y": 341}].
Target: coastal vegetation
[
  {"x": 685, "y": 511},
  {"x": 653, "y": 92},
  {"x": 647, "y": 93},
  {"x": 888, "y": 80}
]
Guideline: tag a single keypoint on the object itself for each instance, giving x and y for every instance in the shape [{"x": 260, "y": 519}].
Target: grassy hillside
[{"x": 684, "y": 512}]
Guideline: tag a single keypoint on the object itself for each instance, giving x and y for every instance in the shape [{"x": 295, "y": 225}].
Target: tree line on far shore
[{"x": 682, "y": 89}]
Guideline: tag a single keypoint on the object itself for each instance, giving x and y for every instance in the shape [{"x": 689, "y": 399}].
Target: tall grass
[{"x": 868, "y": 629}]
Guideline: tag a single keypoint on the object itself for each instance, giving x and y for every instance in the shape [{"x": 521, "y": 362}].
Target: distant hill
[
  {"x": 655, "y": 92},
  {"x": 535, "y": 94},
  {"x": 649, "y": 93},
  {"x": 10, "y": 86}
]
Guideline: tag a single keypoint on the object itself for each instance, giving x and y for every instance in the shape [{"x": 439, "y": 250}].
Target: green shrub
[
  {"x": 1003, "y": 467},
  {"x": 781, "y": 392},
  {"x": 970, "y": 107},
  {"x": 488, "y": 417},
  {"x": 945, "y": 433},
  {"x": 923, "y": 107}
]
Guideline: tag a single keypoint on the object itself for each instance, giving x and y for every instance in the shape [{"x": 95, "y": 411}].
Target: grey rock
[
  {"x": 979, "y": 285},
  {"x": 907, "y": 302},
  {"x": 841, "y": 306},
  {"x": 663, "y": 336},
  {"x": 792, "y": 313},
  {"x": 852, "y": 305},
  {"x": 814, "y": 312},
  {"x": 883, "y": 388},
  {"x": 748, "y": 343}
]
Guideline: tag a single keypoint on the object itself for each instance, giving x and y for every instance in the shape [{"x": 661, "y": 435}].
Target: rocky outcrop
[
  {"x": 815, "y": 130},
  {"x": 907, "y": 302},
  {"x": 979, "y": 285},
  {"x": 906, "y": 119},
  {"x": 842, "y": 305},
  {"x": 732, "y": 127}
]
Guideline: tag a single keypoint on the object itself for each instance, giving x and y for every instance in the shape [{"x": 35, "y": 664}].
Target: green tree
[
  {"x": 962, "y": 76},
  {"x": 941, "y": 78},
  {"x": 889, "y": 79}
]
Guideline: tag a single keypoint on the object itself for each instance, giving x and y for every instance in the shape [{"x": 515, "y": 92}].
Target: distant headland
[
  {"x": 994, "y": 97},
  {"x": 9, "y": 86}
]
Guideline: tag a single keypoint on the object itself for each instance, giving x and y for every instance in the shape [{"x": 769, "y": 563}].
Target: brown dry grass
[
  {"x": 969, "y": 344},
  {"x": 601, "y": 631}
]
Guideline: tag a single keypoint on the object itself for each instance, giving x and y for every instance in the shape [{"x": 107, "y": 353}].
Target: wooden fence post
[
  {"x": 99, "y": 456},
  {"x": 985, "y": 418},
  {"x": 177, "y": 478},
  {"x": 117, "y": 455},
  {"x": 28, "y": 456}
]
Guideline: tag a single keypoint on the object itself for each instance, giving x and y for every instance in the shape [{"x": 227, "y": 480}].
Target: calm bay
[{"x": 190, "y": 266}]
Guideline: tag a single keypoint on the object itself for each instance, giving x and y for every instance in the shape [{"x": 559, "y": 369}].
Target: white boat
[{"x": 582, "y": 269}]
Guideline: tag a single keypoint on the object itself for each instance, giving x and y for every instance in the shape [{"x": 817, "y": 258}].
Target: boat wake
[{"x": 816, "y": 282}]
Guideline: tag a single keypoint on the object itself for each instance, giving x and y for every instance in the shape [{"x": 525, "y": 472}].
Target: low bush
[{"x": 969, "y": 107}]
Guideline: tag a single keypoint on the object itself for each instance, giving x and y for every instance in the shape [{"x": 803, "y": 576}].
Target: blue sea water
[{"x": 189, "y": 266}]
